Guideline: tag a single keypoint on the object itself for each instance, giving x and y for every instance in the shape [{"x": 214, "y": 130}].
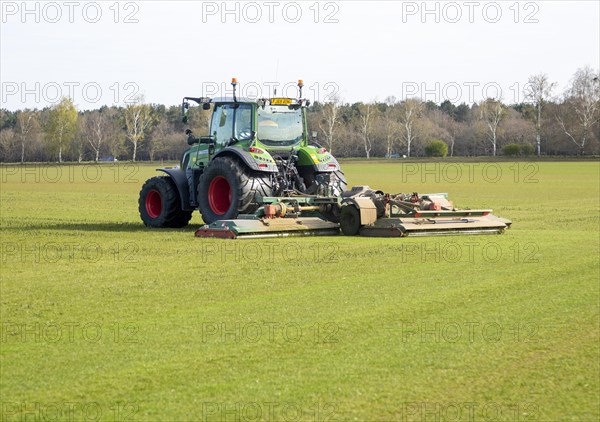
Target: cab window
[{"x": 231, "y": 121}]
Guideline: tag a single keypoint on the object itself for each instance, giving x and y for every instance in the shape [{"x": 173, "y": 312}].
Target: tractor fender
[
  {"x": 247, "y": 159},
  {"x": 181, "y": 183},
  {"x": 366, "y": 208},
  {"x": 325, "y": 167},
  {"x": 306, "y": 159}
]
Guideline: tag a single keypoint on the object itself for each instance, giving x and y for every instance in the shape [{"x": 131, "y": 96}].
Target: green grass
[{"x": 159, "y": 325}]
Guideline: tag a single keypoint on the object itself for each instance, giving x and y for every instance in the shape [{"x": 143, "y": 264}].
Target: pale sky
[{"x": 106, "y": 52}]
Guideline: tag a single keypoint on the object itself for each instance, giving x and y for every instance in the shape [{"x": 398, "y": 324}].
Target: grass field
[{"x": 103, "y": 319}]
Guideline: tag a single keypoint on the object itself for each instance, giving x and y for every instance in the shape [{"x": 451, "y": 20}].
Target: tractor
[
  {"x": 255, "y": 148},
  {"x": 257, "y": 174}
]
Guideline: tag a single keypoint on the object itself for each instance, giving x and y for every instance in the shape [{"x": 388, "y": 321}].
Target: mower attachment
[
  {"x": 372, "y": 213},
  {"x": 360, "y": 211},
  {"x": 254, "y": 227}
]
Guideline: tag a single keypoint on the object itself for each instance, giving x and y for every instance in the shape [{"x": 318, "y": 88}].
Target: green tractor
[{"x": 255, "y": 149}]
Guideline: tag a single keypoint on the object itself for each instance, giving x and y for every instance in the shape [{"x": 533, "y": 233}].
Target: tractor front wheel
[
  {"x": 228, "y": 188},
  {"x": 159, "y": 204}
]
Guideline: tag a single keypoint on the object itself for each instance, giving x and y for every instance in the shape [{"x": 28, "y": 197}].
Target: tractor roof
[{"x": 261, "y": 101}]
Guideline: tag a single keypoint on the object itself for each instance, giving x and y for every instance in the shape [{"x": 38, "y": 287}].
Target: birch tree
[
  {"x": 26, "y": 122},
  {"x": 329, "y": 122},
  {"x": 582, "y": 98},
  {"x": 138, "y": 121},
  {"x": 391, "y": 127},
  {"x": 366, "y": 114},
  {"x": 98, "y": 131},
  {"x": 537, "y": 91},
  {"x": 410, "y": 111},
  {"x": 491, "y": 113}
]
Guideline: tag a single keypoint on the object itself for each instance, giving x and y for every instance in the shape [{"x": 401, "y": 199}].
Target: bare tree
[
  {"x": 491, "y": 112},
  {"x": 138, "y": 120},
  {"x": 448, "y": 128},
  {"x": 6, "y": 144},
  {"x": 160, "y": 137},
  {"x": 366, "y": 114},
  {"x": 537, "y": 91},
  {"x": 329, "y": 122},
  {"x": 391, "y": 127},
  {"x": 79, "y": 143},
  {"x": 26, "y": 121},
  {"x": 452, "y": 128},
  {"x": 96, "y": 131},
  {"x": 410, "y": 111},
  {"x": 583, "y": 97}
]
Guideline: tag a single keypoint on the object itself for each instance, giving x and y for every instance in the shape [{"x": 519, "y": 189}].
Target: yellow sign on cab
[{"x": 281, "y": 101}]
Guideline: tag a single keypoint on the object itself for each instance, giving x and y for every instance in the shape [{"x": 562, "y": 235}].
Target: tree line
[{"x": 546, "y": 123}]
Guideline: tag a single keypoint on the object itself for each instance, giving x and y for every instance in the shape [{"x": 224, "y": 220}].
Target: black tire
[
  {"x": 350, "y": 220},
  {"x": 182, "y": 219},
  {"x": 330, "y": 212},
  {"x": 228, "y": 188},
  {"x": 159, "y": 204},
  {"x": 340, "y": 183}
]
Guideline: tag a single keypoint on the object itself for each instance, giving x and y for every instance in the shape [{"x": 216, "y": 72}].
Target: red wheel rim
[
  {"x": 219, "y": 195},
  {"x": 153, "y": 203}
]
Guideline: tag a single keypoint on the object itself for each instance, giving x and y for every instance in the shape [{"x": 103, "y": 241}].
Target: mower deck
[
  {"x": 253, "y": 227},
  {"x": 362, "y": 211},
  {"x": 441, "y": 226}
]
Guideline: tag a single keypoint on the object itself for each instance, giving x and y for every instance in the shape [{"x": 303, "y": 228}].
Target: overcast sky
[{"x": 102, "y": 53}]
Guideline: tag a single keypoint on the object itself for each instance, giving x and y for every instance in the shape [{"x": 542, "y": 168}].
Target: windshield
[{"x": 279, "y": 125}]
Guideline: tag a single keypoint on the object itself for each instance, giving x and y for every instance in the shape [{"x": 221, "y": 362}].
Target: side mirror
[
  {"x": 205, "y": 106},
  {"x": 210, "y": 140},
  {"x": 191, "y": 140},
  {"x": 185, "y": 106},
  {"x": 314, "y": 134}
]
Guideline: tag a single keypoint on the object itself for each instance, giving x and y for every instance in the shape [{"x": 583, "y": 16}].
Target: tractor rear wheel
[
  {"x": 159, "y": 204},
  {"x": 228, "y": 188}
]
